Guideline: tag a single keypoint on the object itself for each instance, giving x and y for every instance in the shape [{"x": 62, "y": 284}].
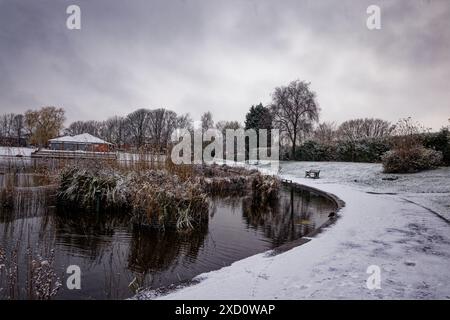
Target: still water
[{"x": 112, "y": 253}]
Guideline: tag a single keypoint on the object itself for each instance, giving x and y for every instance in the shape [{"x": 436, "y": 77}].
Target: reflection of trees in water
[
  {"x": 271, "y": 218},
  {"x": 107, "y": 237},
  {"x": 28, "y": 216},
  {"x": 24, "y": 196},
  {"x": 289, "y": 217},
  {"x": 24, "y": 204},
  {"x": 27, "y": 232},
  {"x": 233, "y": 203},
  {"x": 23, "y": 240},
  {"x": 28, "y": 164},
  {"x": 152, "y": 250},
  {"x": 90, "y": 233},
  {"x": 312, "y": 207},
  {"x": 23, "y": 180},
  {"x": 6, "y": 215}
]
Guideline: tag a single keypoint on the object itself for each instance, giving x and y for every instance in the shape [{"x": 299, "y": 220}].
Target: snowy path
[
  {"x": 410, "y": 244},
  {"x": 430, "y": 188}
]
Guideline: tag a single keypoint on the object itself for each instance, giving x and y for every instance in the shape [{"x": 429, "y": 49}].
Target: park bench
[{"x": 314, "y": 174}]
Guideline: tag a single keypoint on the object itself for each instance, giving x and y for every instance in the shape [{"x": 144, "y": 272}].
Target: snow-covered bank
[
  {"x": 410, "y": 244},
  {"x": 430, "y": 188},
  {"x": 16, "y": 151}
]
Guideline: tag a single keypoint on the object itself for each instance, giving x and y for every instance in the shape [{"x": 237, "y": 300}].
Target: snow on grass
[
  {"x": 134, "y": 157},
  {"x": 410, "y": 244},
  {"x": 430, "y": 188},
  {"x": 16, "y": 151}
]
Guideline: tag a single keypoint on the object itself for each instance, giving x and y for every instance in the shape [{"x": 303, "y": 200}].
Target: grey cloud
[{"x": 223, "y": 56}]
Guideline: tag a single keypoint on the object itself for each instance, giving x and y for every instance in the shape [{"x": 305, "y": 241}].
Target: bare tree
[
  {"x": 12, "y": 131},
  {"x": 44, "y": 124},
  {"x": 138, "y": 126},
  {"x": 295, "y": 109},
  {"x": 6, "y": 125},
  {"x": 207, "y": 121},
  {"x": 78, "y": 127},
  {"x": 114, "y": 130},
  {"x": 162, "y": 122},
  {"x": 325, "y": 132},
  {"x": 154, "y": 126},
  {"x": 18, "y": 127},
  {"x": 356, "y": 129},
  {"x": 408, "y": 134},
  {"x": 224, "y": 125},
  {"x": 184, "y": 121}
]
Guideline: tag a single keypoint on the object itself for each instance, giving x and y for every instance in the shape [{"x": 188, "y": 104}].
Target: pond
[{"x": 112, "y": 253}]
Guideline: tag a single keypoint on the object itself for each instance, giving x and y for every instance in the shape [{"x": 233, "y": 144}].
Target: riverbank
[{"x": 409, "y": 241}]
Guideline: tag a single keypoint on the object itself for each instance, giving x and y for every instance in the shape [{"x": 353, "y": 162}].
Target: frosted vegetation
[
  {"x": 393, "y": 221},
  {"x": 429, "y": 188},
  {"x": 176, "y": 196}
]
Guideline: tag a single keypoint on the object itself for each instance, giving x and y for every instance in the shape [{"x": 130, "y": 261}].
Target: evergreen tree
[{"x": 259, "y": 117}]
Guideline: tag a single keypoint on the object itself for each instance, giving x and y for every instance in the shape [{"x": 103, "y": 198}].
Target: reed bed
[
  {"x": 163, "y": 199},
  {"x": 91, "y": 188},
  {"x": 225, "y": 180},
  {"x": 174, "y": 197},
  {"x": 154, "y": 197},
  {"x": 153, "y": 191},
  {"x": 26, "y": 194},
  {"x": 41, "y": 280}
]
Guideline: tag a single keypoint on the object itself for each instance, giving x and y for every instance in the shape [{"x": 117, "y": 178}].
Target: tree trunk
[{"x": 294, "y": 144}]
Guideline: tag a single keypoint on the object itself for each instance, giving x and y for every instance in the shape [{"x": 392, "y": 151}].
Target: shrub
[
  {"x": 375, "y": 150},
  {"x": 411, "y": 160},
  {"x": 315, "y": 151},
  {"x": 440, "y": 142},
  {"x": 366, "y": 150}
]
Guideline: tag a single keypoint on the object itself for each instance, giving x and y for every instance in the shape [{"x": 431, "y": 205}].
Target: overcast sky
[{"x": 224, "y": 56}]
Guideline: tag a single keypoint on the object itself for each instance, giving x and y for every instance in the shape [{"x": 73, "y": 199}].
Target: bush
[
  {"x": 411, "y": 160},
  {"x": 375, "y": 150},
  {"x": 366, "y": 150},
  {"x": 440, "y": 142},
  {"x": 315, "y": 151}
]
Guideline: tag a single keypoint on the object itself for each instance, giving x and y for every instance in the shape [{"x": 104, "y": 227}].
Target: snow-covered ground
[
  {"x": 410, "y": 243},
  {"x": 122, "y": 156},
  {"x": 15, "y": 151},
  {"x": 429, "y": 188},
  {"x": 127, "y": 156}
]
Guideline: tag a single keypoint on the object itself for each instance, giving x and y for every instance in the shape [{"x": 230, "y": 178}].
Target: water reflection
[
  {"x": 24, "y": 196},
  {"x": 156, "y": 251},
  {"x": 87, "y": 234},
  {"x": 112, "y": 253},
  {"x": 294, "y": 214}
]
